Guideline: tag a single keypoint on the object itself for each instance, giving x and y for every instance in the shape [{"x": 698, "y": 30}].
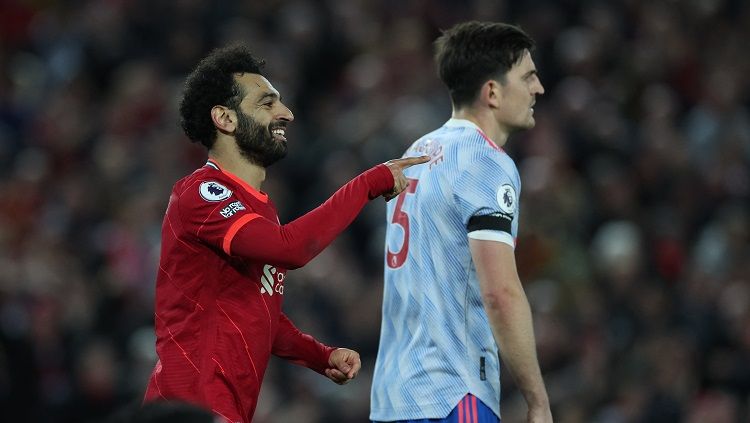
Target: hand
[
  {"x": 344, "y": 365},
  {"x": 397, "y": 167}
]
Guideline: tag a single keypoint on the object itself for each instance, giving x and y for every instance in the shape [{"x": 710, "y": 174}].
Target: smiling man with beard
[{"x": 224, "y": 254}]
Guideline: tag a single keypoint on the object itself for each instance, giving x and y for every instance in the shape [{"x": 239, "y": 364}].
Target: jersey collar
[
  {"x": 464, "y": 123},
  {"x": 259, "y": 195},
  {"x": 461, "y": 123}
]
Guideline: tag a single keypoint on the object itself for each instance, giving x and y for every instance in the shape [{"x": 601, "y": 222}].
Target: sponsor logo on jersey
[
  {"x": 231, "y": 209},
  {"x": 271, "y": 280},
  {"x": 214, "y": 191},
  {"x": 506, "y": 199},
  {"x": 432, "y": 148}
]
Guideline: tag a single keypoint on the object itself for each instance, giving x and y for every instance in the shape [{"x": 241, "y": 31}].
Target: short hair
[
  {"x": 212, "y": 83},
  {"x": 470, "y": 53}
]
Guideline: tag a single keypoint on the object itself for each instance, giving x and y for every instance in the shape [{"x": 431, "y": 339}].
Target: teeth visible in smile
[{"x": 279, "y": 131}]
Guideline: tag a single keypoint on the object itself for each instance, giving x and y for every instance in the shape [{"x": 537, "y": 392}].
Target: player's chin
[{"x": 530, "y": 123}]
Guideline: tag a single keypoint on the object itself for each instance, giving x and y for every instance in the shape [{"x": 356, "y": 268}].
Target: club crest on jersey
[
  {"x": 506, "y": 199},
  {"x": 214, "y": 191}
]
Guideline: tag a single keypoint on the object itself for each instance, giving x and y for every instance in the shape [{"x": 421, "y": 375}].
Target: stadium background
[{"x": 635, "y": 234}]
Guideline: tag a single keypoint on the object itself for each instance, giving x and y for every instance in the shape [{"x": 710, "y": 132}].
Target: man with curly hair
[{"x": 224, "y": 254}]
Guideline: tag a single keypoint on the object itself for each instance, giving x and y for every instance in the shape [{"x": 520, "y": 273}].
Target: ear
[
  {"x": 491, "y": 94},
  {"x": 224, "y": 118}
]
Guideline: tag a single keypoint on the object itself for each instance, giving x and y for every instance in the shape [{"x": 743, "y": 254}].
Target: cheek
[
  {"x": 519, "y": 105},
  {"x": 262, "y": 117}
]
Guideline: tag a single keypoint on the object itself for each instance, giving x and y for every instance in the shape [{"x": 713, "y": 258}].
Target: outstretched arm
[
  {"x": 510, "y": 317},
  {"x": 294, "y": 244}
]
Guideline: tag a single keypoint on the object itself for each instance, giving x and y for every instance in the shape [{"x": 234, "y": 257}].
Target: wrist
[
  {"x": 537, "y": 400},
  {"x": 379, "y": 180},
  {"x": 329, "y": 351}
]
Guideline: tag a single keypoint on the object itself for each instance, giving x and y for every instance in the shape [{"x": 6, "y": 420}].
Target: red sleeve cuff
[
  {"x": 327, "y": 354},
  {"x": 380, "y": 181}
]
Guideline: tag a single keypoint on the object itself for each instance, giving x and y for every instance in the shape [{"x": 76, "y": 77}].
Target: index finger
[{"x": 410, "y": 161}]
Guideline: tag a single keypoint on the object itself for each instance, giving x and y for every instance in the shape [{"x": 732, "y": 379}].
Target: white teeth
[{"x": 278, "y": 132}]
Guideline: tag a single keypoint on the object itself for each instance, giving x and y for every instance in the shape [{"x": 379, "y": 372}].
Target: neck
[
  {"x": 228, "y": 156},
  {"x": 486, "y": 121}
]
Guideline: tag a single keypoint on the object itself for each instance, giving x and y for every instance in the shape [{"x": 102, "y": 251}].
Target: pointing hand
[{"x": 397, "y": 167}]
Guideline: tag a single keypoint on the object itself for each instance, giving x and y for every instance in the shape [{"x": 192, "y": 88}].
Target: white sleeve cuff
[{"x": 490, "y": 235}]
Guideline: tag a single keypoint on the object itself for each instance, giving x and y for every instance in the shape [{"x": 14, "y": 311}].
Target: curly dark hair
[
  {"x": 212, "y": 83},
  {"x": 470, "y": 53}
]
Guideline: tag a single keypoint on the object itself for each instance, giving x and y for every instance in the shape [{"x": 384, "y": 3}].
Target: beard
[{"x": 257, "y": 143}]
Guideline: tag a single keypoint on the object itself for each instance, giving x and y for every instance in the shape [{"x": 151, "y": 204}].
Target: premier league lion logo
[
  {"x": 214, "y": 191},
  {"x": 506, "y": 199}
]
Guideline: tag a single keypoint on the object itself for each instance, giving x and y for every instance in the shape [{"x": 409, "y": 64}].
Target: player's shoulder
[
  {"x": 206, "y": 184},
  {"x": 478, "y": 149},
  {"x": 498, "y": 156},
  {"x": 467, "y": 138},
  {"x": 498, "y": 164},
  {"x": 483, "y": 160}
]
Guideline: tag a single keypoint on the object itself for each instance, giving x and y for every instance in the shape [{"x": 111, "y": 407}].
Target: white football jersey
[{"x": 436, "y": 343}]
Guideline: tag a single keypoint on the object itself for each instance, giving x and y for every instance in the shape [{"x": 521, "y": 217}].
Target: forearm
[
  {"x": 510, "y": 317},
  {"x": 296, "y": 243},
  {"x": 300, "y": 348}
]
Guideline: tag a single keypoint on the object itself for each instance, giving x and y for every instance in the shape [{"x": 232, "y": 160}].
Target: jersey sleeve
[
  {"x": 487, "y": 200},
  {"x": 300, "y": 348},
  {"x": 250, "y": 235},
  {"x": 294, "y": 244}
]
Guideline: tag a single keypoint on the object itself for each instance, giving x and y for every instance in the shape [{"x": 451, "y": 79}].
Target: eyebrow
[
  {"x": 530, "y": 73},
  {"x": 269, "y": 95}
]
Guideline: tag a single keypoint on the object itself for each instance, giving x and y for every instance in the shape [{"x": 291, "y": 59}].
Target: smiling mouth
[{"x": 279, "y": 134}]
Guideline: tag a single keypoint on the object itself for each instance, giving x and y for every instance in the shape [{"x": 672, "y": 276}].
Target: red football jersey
[{"x": 220, "y": 286}]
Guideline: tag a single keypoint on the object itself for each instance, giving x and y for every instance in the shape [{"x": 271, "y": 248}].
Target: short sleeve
[
  {"x": 487, "y": 194},
  {"x": 211, "y": 211}
]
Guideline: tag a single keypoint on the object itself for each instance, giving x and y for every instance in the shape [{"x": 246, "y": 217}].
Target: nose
[
  {"x": 285, "y": 114},
  {"x": 539, "y": 90}
]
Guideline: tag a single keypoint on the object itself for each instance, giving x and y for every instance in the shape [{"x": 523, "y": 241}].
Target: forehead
[
  {"x": 254, "y": 85},
  {"x": 524, "y": 64}
]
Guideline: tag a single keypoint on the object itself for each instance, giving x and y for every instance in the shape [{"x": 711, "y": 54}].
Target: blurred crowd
[{"x": 634, "y": 244}]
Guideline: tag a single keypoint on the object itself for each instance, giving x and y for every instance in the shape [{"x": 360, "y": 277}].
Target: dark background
[{"x": 634, "y": 239}]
